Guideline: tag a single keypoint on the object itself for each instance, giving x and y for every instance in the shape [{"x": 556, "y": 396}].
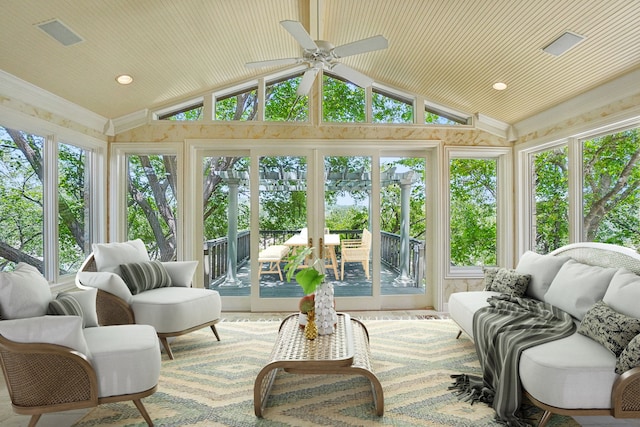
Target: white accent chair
[
  {"x": 172, "y": 307},
  {"x": 66, "y": 361}
]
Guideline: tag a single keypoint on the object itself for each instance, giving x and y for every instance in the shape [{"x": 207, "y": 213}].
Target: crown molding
[
  {"x": 15, "y": 88},
  {"x": 129, "y": 121},
  {"x": 495, "y": 127}
]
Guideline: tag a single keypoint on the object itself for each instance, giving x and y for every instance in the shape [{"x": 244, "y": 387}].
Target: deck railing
[{"x": 215, "y": 252}]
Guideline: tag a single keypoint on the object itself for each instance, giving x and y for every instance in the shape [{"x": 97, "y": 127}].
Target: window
[
  {"x": 342, "y": 101},
  {"x": 550, "y": 183},
  {"x": 473, "y": 212},
  {"x": 283, "y": 103},
  {"x": 51, "y": 230},
  {"x": 74, "y": 206},
  {"x": 611, "y": 188},
  {"x": 437, "y": 116},
  {"x": 151, "y": 203},
  {"x": 21, "y": 199},
  {"x": 190, "y": 113},
  {"x": 239, "y": 106},
  {"x": 391, "y": 108}
]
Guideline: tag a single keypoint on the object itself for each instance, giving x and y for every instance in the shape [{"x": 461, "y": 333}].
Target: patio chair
[
  {"x": 133, "y": 289},
  {"x": 356, "y": 250}
]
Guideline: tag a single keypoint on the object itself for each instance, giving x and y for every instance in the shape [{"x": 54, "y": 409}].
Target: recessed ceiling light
[
  {"x": 499, "y": 86},
  {"x": 124, "y": 79}
]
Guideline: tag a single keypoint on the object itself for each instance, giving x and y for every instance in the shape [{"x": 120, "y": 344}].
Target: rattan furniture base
[{"x": 345, "y": 352}]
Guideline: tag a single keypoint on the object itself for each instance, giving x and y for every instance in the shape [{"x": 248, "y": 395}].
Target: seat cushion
[
  {"x": 175, "y": 309},
  {"x": 572, "y": 372},
  {"x": 126, "y": 358},
  {"x": 462, "y": 306}
]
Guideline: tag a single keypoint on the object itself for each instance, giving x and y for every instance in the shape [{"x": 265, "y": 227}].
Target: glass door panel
[
  {"x": 282, "y": 221},
  {"x": 347, "y": 215},
  {"x": 402, "y": 225},
  {"x": 226, "y": 219}
]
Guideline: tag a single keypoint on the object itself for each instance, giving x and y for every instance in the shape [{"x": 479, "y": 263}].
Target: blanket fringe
[{"x": 470, "y": 388}]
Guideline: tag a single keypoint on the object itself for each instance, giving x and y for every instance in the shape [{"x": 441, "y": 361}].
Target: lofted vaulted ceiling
[{"x": 450, "y": 52}]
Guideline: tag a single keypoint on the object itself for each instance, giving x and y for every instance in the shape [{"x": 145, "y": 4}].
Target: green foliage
[
  {"x": 342, "y": 101},
  {"x": 308, "y": 278},
  {"x": 473, "y": 212},
  {"x": 389, "y": 110},
  {"x": 283, "y": 104}
]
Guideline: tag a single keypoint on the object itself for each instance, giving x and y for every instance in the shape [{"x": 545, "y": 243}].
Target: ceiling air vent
[
  {"x": 60, "y": 32},
  {"x": 563, "y": 43}
]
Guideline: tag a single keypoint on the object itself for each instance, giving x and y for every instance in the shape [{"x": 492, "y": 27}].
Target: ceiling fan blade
[
  {"x": 307, "y": 81},
  {"x": 298, "y": 32},
  {"x": 352, "y": 75},
  {"x": 361, "y": 46},
  {"x": 272, "y": 62}
]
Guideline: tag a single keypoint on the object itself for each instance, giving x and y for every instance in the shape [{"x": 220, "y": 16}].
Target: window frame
[{"x": 504, "y": 210}]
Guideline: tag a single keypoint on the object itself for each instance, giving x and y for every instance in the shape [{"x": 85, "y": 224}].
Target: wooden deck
[{"x": 354, "y": 284}]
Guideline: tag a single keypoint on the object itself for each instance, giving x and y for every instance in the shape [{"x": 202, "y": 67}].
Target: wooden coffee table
[{"x": 344, "y": 352}]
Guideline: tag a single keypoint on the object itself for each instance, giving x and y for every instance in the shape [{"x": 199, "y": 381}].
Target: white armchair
[
  {"x": 133, "y": 289},
  {"x": 65, "y": 360}
]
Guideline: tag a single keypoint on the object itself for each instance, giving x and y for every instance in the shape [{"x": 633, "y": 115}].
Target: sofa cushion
[
  {"x": 175, "y": 309},
  {"x": 630, "y": 356},
  {"x": 510, "y": 282},
  {"x": 577, "y": 287},
  {"x": 109, "y": 256},
  {"x": 143, "y": 276},
  {"x": 108, "y": 282},
  {"x": 542, "y": 269},
  {"x": 24, "y": 292},
  {"x": 574, "y": 372},
  {"x": 623, "y": 293},
  {"x": 608, "y": 327},
  {"x": 126, "y": 358},
  {"x": 489, "y": 277},
  {"x": 61, "y": 330},
  {"x": 78, "y": 303},
  {"x": 181, "y": 272}
]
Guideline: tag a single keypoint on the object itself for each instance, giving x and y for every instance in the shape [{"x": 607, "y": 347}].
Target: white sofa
[
  {"x": 55, "y": 357},
  {"x": 576, "y": 375}
]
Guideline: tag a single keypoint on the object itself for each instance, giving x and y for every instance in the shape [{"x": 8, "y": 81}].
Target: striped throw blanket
[{"x": 502, "y": 331}]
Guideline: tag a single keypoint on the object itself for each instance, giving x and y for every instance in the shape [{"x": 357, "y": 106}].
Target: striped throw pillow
[
  {"x": 66, "y": 304},
  {"x": 144, "y": 276}
]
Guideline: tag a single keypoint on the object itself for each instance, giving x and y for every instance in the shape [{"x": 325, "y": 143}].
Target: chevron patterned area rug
[{"x": 210, "y": 383}]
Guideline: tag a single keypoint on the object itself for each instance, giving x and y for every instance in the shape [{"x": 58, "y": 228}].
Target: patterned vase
[
  {"x": 310, "y": 329},
  {"x": 326, "y": 317}
]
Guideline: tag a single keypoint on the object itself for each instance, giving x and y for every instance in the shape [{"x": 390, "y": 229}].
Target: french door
[{"x": 344, "y": 203}]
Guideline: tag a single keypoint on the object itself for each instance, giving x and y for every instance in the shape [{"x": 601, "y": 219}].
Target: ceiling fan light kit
[{"x": 320, "y": 54}]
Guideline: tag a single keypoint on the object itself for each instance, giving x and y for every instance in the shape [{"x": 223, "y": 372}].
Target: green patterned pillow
[
  {"x": 630, "y": 356},
  {"x": 144, "y": 276},
  {"x": 608, "y": 327},
  {"x": 510, "y": 282},
  {"x": 66, "y": 304},
  {"x": 489, "y": 277}
]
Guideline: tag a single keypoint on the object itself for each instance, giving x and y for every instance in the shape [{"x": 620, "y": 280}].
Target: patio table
[{"x": 330, "y": 241}]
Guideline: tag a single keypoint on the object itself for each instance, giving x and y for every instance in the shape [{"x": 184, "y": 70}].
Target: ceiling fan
[{"x": 321, "y": 54}]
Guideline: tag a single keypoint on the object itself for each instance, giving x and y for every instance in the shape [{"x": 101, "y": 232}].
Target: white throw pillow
[
  {"x": 108, "y": 282},
  {"x": 109, "y": 256},
  {"x": 24, "y": 292},
  {"x": 623, "y": 293},
  {"x": 181, "y": 272},
  {"x": 577, "y": 287},
  {"x": 61, "y": 330},
  {"x": 542, "y": 269},
  {"x": 87, "y": 300}
]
